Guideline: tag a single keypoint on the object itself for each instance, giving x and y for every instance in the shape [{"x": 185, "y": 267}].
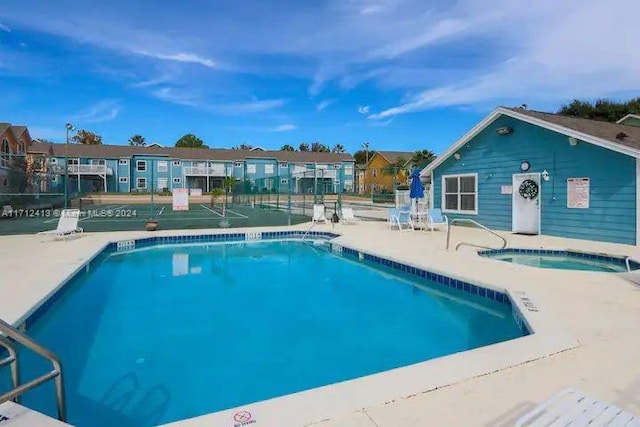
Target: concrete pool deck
[{"x": 600, "y": 310}]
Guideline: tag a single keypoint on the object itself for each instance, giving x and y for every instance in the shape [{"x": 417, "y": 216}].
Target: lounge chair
[
  {"x": 400, "y": 219},
  {"x": 318, "y": 214},
  {"x": 570, "y": 407},
  {"x": 436, "y": 218},
  {"x": 348, "y": 217},
  {"x": 7, "y": 211},
  {"x": 67, "y": 224}
]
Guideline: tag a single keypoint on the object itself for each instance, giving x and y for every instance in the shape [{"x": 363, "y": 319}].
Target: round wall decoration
[
  {"x": 525, "y": 166},
  {"x": 529, "y": 189}
]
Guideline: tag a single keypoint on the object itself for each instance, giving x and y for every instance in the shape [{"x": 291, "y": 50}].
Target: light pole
[{"x": 69, "y": 128}]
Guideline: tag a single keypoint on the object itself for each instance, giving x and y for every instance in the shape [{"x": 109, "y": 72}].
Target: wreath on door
[{"x": 529, "y": 189}]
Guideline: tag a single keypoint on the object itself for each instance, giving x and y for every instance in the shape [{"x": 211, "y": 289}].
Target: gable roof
[
  {"x": 394, "y": 156},
  {"x": 600, "y": 133},
  {"x": 629, "y": 116},
  {"x": 185, "y": 153}
]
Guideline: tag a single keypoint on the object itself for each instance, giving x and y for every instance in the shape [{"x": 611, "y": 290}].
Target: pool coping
[{"x": 314, "y": 405}]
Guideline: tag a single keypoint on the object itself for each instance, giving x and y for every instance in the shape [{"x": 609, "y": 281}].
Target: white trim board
[
  {"x": 629, "y": 116},
  {"x": 501, "y": 111}
]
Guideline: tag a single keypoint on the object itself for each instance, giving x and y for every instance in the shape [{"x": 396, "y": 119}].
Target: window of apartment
[
  {"x": 20, "y": 148},
  {"x": 268, "y": 168},
  {"x": 123, "y": 179},
  {"x": 460, "y": 193},
  {"x": 251, "y": 168},
  {"x": 348, "y": 169},
  {"x": 100, "y": 162},
  {"x": 5, "y": 153},
  {"x": 284, "y": 181},
  {"x": 141, "y": 166},
  {"x": 177, "y": 180},
  {"x": 73, "y": 161},
  {"x": 162, "y": 184},
  {"x": 53, "y": 161},
  {"x": 141, "y": 183},
  {"x": 348, "y": 185},
  {"x": 176, "y": 163},
  {"x": 337, "y": 166},
  {"x": 124, "y": 162},
  {"x": 374, "y": 173},
  {"x": 54, "y": 178},
  {"x": 238, "y": 164},
  {"x": 284, "y": 165},
  {"x": 163, "y": 166}
]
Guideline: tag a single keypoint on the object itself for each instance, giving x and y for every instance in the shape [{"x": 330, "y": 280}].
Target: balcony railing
[
  {"x": 89, "y": 170},
  {"x": 204, "y": 171},
  {"x": 302, "y": 172}
]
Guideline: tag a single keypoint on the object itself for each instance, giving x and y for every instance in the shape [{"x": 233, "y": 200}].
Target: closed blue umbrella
[{"x": 415, "y": 190}]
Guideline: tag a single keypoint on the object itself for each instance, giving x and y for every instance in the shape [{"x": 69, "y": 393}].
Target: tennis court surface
[{"x": 133, "y": 216}]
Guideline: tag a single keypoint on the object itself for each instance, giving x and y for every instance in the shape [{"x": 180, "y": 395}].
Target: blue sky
[{"x": 401, "y": 75}]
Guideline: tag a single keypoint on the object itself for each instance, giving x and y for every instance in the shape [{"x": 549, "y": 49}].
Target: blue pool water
[
  {"x": 167, "y": 333},
  {"x": 564, "y": 260}
]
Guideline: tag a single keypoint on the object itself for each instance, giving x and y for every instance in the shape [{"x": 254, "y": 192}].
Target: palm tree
[
  {"x": 287, "y": 147},
  {"x": 137, "y": 140},
  {"x": 338, "y": 148},
  {"x": 421, "y": 158}
]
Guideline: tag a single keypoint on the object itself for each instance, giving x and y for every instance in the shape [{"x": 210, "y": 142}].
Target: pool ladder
[
  {"x": 8, "y": 334},
  {"x": 477, "y": 224}
]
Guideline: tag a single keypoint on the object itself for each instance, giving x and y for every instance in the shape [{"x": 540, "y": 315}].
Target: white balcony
[
  {"x": 204, "y": 171},
  {"x": 89, "y": 170},
  {"x": 302, "y": 172}
]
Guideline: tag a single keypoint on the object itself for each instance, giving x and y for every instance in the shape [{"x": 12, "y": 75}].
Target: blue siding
[{"x": 611, "y": 215}]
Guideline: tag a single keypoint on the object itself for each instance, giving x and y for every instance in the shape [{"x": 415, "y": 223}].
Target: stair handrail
[{"x": 477, "y": 224}]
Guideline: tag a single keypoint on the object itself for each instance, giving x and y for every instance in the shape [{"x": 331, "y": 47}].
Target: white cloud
[
  {"x": 364, "y": 109},
  {"x": 181, "y": 57},
  {"x": 256, "y": 106},
  {"x": 4, "y": 28},
  {"x": 102, "y": 111},
  {"x": 324, "y": 104},
  {"x": 285, "y": 128}
]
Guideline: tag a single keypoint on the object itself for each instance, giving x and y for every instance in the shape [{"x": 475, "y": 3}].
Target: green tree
[
  {"x": 318, "y": 147},
  {"x": 422, "y": 158},
  {"x": 190, "y": 140},
  {"x": 137, "y": 140},
  {"x": 602, "y": 109},
  {"x": 243, "y": 146},
  {"x": 338, "y": 148},
  {"x": 361, "y": 156},
  {"x": 287, "y": 147},
  {"x": 87, "y": 137},
  {"x": 303, "y": 147}
]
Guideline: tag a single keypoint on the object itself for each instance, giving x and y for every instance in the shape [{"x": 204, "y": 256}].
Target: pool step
[{"x": 14, "y": 415}]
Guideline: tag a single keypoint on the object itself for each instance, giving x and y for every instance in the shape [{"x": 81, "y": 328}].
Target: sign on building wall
[
  {"x": 180, "y": 199},
  {"x": 578, "y": 193},
  {"x": 506, "y": 189}
]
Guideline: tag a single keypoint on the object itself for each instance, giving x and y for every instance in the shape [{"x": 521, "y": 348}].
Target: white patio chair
[
  {"x": 571, "y": 407},
  {"x": 400, "y": 219},
  {"x": 436, "y": 218},
  {"x": 67, "y": 224},
  {"x": 348, "y": 217},
  {"x": 318, "y": 214}
]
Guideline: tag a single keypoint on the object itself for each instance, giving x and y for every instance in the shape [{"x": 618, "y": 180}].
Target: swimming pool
[
  {"x": 170, "y": 332},
  {"x": 563, "y": 260}
]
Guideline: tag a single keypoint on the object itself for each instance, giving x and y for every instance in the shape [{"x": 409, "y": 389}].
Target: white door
[{"x": 526, "y": 210}]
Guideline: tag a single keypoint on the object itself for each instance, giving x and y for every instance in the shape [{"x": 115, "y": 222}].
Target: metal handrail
[
  {"x": 477, "y": 224},
  {"x": 11, "y": 360},
  {"x": 307, "y": 232},
  {"x": 626, "y": 261},
  {"x": 55, "y": 374}
]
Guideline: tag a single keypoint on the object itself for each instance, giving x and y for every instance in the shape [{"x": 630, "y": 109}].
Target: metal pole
[
  {"x": 66, "y": 169},
  {"x": 151, "y": 188}
]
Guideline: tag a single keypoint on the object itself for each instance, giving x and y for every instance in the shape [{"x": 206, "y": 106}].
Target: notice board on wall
[
  {"x": 180, "y": 199},
  {"x": 578, "y": 193}
]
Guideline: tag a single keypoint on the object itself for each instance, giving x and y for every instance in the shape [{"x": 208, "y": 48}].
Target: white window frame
[
  {"x": 177, "y": 180},
  {"x": 444, "y": 193},
  {"x": 283, "y": 165},
  {"x": 139, "y": 180},
  {"x": 123, "y": 179},
  {"x": 162, "y": 180},
  {"x": 348, "y": 170},
  {"x": 73, "y": 161},
  {"x": 284, "y": 181},
  {"x": 237, "y": 164},
  {"x": 123, "y": 162},
  {"x": 53, "y": 161},
  {"x": 165, "y": 165},
  {"x": 176, "y": 163},
  {"x": 98, "y": 162},
  {"x": 251, "y": 168},
  {"x": 268, "y": 169},
  {"x": 138, "y": 163},
  {"x": 337, "y": 165}
]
